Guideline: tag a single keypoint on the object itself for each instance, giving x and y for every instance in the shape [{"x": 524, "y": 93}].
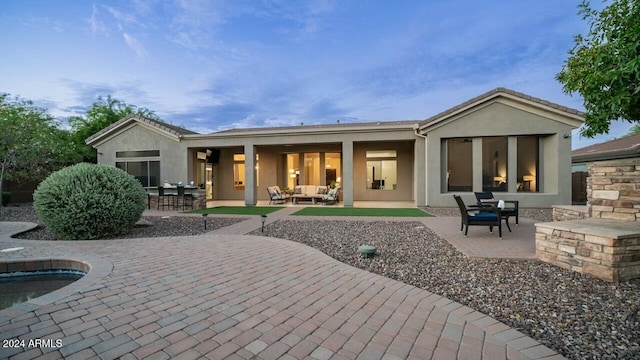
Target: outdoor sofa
[{"x": 311, "y": 193}]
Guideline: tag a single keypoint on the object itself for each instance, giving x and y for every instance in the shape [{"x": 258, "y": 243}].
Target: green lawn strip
[
  {"x": 238, "y": 210},
  {"x": 327, "y": 211}
]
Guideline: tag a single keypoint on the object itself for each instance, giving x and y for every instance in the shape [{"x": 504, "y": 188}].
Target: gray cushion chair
[
  {"x": 489, "y": 216},
  {"x": 333, "y": 196},
  {"x": 276, "y": 196}
]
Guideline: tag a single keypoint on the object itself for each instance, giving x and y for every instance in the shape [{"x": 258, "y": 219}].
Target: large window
[
  {"x": 333, "y": 170},
  {"x": 528, "y": 163},
  {"x": 494, "y": 163},
  {"x": 459, "y": 172},
  {"x": 146, "y": 172},
  {"x": 382, "y": 170},
  {"x": 312, "y": 168},
  {"x": 144, "y": 165},
  {"x": 137, "y": 153},
  {"x": 495, "y": 159},
  {"x": 293, "y": 171},
  {"x": 238, "y": 172}
]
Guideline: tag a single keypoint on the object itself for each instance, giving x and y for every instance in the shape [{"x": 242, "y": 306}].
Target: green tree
[
  {"x": 104, "y": 112},
  {"x": 634, "y": 130},
  {"x": 31, "y": 143},
  {"x": 604, "y": 66}
]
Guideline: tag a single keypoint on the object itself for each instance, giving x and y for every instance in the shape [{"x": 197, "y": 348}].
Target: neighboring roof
[
  {"x": 495, "y": 93},
  {"x": 628, "y": 146},
  {"x": 173, "y": 130}
]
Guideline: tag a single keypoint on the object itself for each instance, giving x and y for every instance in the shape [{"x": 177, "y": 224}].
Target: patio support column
[
  {"x": 347, "y": 173},
  {"x": 323, "y": 170},
  {"x": 476, "y": 163},
  {"x": 302, "y": 177},
  {"x": 420, "y": 171},
  {"x": 512, "y": 164},
  {"x": 250, "y": 175}
]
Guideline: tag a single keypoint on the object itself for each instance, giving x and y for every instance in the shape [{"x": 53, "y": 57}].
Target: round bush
[{"x": 88, "y": 201}]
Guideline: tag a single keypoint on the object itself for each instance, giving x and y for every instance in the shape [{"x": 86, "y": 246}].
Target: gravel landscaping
[
  {"x": 157, "y": 226},
  {"x": 579, "y": 316}
]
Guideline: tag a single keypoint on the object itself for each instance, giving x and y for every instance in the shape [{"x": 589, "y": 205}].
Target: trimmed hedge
[
  {"x": 6, "y": 198},
  {"x": 88, "y": 201}
]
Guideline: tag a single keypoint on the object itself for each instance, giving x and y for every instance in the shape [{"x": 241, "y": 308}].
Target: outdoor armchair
[
  {"x": 486, "y": 198},
  {"x": 276, "y": 196},
  {"x": 489, "y": 216},
  {"x": 332, "y": 196}
]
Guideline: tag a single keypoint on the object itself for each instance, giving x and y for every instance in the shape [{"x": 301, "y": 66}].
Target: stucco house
[{"x": 502, "y": 141}]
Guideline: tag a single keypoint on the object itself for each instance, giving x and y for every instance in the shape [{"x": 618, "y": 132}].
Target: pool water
[{"x": 21, "y": 288}]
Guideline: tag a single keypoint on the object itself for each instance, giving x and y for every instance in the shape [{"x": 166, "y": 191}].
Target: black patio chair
[
  {"x": 486, "y": 198},
  {"x": 489, "y": 216}
]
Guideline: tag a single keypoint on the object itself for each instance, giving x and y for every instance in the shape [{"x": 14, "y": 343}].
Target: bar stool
[
  {"x": 164, "y": 198},
  {"x": 187, "y": 199}
]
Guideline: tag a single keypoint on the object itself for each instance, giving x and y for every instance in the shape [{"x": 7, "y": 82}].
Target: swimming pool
[
  {"x": 27, "y": 279},
  {"x": 19, "y": 287}
]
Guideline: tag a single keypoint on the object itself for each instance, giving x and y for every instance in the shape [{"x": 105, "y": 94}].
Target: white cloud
[
  {"x": 97, "y": 26},
  {"x": 134, "y": 44}
]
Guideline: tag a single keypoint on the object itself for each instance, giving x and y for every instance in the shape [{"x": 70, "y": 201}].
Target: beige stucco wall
[
  {"x": 504, "y": 119},
  {"x": 405, "y": 168},
  {"x": 173, "y": 154}
]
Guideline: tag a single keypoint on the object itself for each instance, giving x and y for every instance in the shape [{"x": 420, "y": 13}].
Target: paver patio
[{"x": 228, "y": 295}]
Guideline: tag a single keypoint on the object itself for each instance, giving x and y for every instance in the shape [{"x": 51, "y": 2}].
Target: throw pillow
[
  {"x": 297, "y": 190},
  {"x": 322, "y": 191}
]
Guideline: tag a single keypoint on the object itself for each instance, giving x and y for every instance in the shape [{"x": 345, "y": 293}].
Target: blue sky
[{"x": 214, "y": 65}]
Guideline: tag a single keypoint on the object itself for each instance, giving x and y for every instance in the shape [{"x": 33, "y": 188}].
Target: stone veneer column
[
  {"x": 613, "y": 189},
  {"x": 607, "y": 245}
]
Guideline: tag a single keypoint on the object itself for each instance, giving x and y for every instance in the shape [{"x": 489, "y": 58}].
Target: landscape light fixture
[
  {"x": 204, "y": 216},
  {"x": 263, "y": 218}
]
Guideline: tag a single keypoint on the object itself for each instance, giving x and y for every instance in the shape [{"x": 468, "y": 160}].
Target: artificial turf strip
[
  {"x": 327, "y": 211},
  {"x": 238, "y": 210}
]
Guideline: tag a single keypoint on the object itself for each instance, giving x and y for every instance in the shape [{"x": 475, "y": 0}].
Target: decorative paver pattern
[{"x": 241, "y": 296}]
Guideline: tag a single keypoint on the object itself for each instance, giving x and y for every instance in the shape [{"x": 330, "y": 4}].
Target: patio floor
[{"x": 230, "y": 295}]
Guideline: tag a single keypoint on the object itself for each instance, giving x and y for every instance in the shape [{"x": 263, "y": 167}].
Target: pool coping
[{"x": 96, "y": 268}]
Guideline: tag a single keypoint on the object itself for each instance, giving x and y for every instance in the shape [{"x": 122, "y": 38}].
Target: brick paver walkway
[{"x": 244, "y": 297}]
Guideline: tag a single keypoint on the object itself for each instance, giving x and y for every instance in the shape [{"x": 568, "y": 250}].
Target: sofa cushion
[
  {"x": 484, "y": 216},
  {"x": 307, "y": 191}
]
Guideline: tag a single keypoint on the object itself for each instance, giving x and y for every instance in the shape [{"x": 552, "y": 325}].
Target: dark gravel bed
[
  {"x": 578, "y": 316},
  {"x": 159, "y": 226}
]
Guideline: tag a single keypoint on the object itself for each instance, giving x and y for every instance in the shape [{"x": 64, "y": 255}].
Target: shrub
[
  {"x": 87, "y": 201},
  {"x": 6, "y": 198}
]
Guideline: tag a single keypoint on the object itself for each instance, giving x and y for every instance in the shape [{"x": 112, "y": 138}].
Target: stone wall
[
  {"x": 606, "y": 249},
  {"x": 199, "y": 202},
  {"x": 613, "y": 189},
  {"x": 570, "y": 212},
  {"x": 603, "y": 238}
]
